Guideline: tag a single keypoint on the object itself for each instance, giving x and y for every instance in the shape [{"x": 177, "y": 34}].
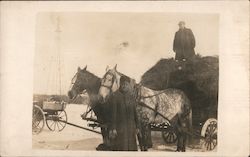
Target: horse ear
[
  {"x": 107, "y": 68},
  {"x": 85, "y": 68},
  {"x": 78, "y": 69},
  {"x": 115, "y": 67}
]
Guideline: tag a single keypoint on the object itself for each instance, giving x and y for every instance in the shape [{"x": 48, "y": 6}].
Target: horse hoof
[
  {"x": 102, "y": 147},
  {"x": 178, "y": 150}
]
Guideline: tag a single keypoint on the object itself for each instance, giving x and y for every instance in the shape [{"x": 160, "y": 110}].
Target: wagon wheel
[
  {"x": 56, "y": 122},
  {"x": 209, "y": 132},
  {"x": 38, "y": 120},
  {"x": 169, "y": 136}
]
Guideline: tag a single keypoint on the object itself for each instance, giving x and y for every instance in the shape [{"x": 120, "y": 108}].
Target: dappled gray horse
[{"x": 170, "y": 106}]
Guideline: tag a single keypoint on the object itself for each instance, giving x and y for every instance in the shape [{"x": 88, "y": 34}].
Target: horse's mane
[
  {"x": 93, "y": 82},
  {"x": 92, "y": 74},
  {"x": 132, "y": 81},
  {"x": 121, "y": 74}
]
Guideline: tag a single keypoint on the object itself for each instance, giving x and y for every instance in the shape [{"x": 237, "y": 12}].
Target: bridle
[
  {"x": 112, "y": 82},
  {"x": 73, "y": 82}
]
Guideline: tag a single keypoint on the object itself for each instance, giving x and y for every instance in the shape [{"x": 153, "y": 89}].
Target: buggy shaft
[{"x": 80, "y": 127}]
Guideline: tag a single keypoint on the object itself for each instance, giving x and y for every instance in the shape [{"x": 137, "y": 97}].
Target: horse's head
[
  {"x": 82, "y": 80},
  {"x": 110, "y": 83}
]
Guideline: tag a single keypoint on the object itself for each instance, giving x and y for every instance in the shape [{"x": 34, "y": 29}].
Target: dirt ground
[{"x": 72, "y": 138}]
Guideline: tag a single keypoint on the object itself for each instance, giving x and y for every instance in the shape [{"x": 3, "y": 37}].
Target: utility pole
[{"x": 58, "y": 43}]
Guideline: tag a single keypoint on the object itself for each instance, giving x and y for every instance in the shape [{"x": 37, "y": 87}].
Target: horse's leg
[
  {"x": 142, "y": 137},
  {"x": 185, "y": 123},
  {"x": 104, "y": 131},
  {"x": 181, "y": 135},
  {"x": 149, "y": 138},
  {"x": 184, "y": 141},
  {"x": 179, "y": 139},
  {"x": 104, "y": 135}
]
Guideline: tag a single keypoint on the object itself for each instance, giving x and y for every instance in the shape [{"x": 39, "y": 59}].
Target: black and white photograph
[
  {"x": 126, "y": 82},
  {"x": 124, "y": 78}
]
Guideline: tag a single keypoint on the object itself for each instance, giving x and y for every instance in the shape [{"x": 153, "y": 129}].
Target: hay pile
[{"x": 198, "y": 78}]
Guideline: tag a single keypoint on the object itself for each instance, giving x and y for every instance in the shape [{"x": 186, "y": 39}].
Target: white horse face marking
[
  {"x": 106, "y": 86},
  {"x": 110, "y": 83}
]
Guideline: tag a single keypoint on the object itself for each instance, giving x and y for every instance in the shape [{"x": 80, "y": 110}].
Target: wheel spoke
[
  {"x": 213, "y": 145},
  {"x": 214, "y": 128},
  {"x": 207, "y": 145},
  {"x": 54, "y": 126},
  {"x": 62, "y": 117},
  {"x": 214, "y": 142},
  {"x": 167, "y": 137},
  {"x": 34, "y": 123},
  {"x": 166, "y": 134},
  {"x": 38, "y": 122},
  {"x": 35, "y": 114},
  {"x": 170, "y": 137},
  {"x": 60, "y": 112},
  {"x": 62, "y": 124},
  {"x": 51, "y": 124},
  {"x": 209, "y": 129},
  {"x": 58, "y": 126}
]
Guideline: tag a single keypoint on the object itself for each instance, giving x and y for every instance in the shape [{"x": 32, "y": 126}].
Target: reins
[
  {"x": 158, "y": 113},
  {"x": 149, "y": 96}
]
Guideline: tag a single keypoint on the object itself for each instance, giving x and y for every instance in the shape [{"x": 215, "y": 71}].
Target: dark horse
[
  {"x": 86, "y": 81},
  {"x": 154, "y": 107}
]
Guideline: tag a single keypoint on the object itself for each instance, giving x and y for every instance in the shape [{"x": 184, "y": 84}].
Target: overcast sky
[{"x": 133, "y": 41}]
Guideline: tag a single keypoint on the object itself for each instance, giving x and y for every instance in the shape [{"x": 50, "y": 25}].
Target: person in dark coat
[
  {"x": 124, "y": 126},
  {"x": 184, "y": 43}
]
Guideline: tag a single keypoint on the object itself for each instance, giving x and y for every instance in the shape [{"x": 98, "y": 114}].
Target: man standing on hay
[{"x": 184, "y": 43}]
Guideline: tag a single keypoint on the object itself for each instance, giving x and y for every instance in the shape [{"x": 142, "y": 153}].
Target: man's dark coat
[
  {"x": 125, "y": 121},
  {"x": 184, "y": 43}
]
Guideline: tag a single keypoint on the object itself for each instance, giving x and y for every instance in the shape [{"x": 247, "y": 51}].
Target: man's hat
[
  {"x": 181, "y": 22},
  {"x": 124, "y": 79}
]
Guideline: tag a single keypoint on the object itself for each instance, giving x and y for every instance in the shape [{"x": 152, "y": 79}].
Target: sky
[{"x": 133, "y": 41}]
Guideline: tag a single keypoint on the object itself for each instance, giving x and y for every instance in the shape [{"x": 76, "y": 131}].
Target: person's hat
[
  {"x": 124, "y": 79},
  {"x": 181, "y": 22}
]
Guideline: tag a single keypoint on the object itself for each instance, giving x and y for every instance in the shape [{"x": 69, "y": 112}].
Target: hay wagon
[
  {"x": 198, "y": 79},
  {"x": 50, "y": 112}
]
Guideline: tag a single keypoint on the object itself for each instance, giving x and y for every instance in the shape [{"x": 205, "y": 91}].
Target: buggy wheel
[
  {"x": 209, "y": 134},
  {"x": 56, "y": 121},
  {"x": 38, "y": 120},
  {"x": 169, "y": 136}
]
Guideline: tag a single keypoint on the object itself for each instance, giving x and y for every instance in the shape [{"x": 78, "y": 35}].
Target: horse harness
[
  {"x": 138, "y": 95},
  {"x": 113, "y": 79}
]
